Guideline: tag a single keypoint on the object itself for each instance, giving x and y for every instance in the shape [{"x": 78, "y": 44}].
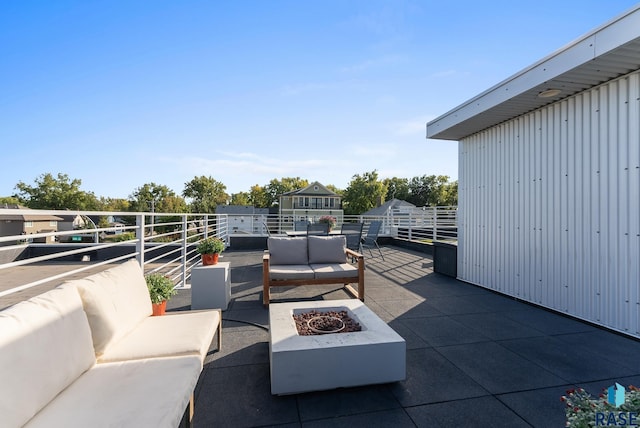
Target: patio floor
[{"x": 474, "y": 358}]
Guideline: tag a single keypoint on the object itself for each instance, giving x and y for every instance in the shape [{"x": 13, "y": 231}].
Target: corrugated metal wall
[{"x": 549, "y": 206}]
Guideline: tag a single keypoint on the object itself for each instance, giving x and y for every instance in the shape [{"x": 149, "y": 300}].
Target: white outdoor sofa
[
  {"x": 89, "y": 354},
  {"x": 311, "y": 260}
]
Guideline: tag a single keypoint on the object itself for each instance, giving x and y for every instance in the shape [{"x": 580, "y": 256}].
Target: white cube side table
[{"x": 211, "y": 286}]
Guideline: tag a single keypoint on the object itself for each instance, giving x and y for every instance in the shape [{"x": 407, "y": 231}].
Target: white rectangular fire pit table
[{"x": 377, "y": 354}]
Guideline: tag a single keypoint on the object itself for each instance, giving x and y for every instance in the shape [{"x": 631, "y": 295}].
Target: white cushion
[
  {"x": 327, "y": 249},
  {"x": 288, "y": 251},
  {"x": 45, "y": 345},
  {"x": 137, "y": 393},
  {"x": 334, "y": 270},
  {"x": 116, "y": 301},
  {"x": 181, "y": 333},
  {"x": 291, "y": 272}
]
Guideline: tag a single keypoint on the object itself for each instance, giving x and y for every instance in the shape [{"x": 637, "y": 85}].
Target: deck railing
[
  {"x": 165, "y": 242},
  {"x": 426, "y": 224},
  {"x": 161, "y": 242}
]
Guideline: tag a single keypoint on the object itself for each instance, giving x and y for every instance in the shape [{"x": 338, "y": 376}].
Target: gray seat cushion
[
  {"x": 291, "y": 272},
  {"x": 287, "y": 251},
  {"x": 333, "y": 270},
  {"x": 327, "y": 249}
]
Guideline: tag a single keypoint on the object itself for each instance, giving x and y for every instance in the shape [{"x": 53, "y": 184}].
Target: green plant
[
  {"x": 210, "y": 246},
  {"x": 160, "y": 287},
  {"x": 329, "y": 219},
  {"x": 583, "y": 411}
]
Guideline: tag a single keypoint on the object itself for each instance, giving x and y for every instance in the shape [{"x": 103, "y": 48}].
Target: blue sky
[{"x": 123, "y": 93}]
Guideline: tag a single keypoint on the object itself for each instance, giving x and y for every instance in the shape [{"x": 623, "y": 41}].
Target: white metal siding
[{"x": 549, "y": 206}]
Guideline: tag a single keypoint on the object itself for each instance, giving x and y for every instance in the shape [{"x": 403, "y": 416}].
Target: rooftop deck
[{"x": 474, "y": 358}]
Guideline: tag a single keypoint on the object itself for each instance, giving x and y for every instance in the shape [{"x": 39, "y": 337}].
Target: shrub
[{"x": 160, "y": 287}]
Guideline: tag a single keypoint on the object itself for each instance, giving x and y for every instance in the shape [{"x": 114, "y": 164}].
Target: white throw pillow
[{"x": 116, "y": 301}]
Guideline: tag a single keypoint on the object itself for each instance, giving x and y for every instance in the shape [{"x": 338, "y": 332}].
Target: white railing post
[
  {"x": 410, "y": 226},
  {"x": 140, "y": 239},
  {"x": 435, "y": 224},
  {"x": 185, "y": 224}
]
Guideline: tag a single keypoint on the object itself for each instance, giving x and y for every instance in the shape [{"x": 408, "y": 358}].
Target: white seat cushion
[
  {"x": 181, "y": 333},
  {"x": 291, "y": 272},
  {"x": 116, "y": 301},
  {"x": 334, "y": 270},
  {"x": 138, "y": 393},
  {"x": 45, "y": 345}
]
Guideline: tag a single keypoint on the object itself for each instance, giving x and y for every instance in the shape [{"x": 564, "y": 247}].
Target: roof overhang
[{"x": 609, "y": 51}]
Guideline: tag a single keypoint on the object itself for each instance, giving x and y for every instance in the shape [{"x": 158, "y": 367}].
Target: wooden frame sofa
[
  {"x": 311, "y": 260},
  {"x": 89, "y": 354}
]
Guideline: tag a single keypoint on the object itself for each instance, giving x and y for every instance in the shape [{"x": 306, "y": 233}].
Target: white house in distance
[{"x": 549, "y": 179}]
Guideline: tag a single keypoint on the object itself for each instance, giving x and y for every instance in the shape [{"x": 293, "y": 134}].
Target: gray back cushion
[
  {"x": 288, "y": 251},
  {"x": 327, "y": 249}
]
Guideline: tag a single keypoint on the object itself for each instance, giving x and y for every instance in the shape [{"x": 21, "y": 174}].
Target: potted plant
[
  {"x": 210, "y": 249},
  {"x": 161, "y": 288},
  {"x": 329, "y": 219}
]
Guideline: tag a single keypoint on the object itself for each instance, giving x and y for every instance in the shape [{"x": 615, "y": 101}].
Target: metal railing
[
  {"x": 161, "y": 242},
  {"x": 166, "y": 242},
  {"x": 427, "y": 224}
]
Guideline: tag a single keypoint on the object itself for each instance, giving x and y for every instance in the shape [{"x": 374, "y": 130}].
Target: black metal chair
[
  {"x": 321, "y": 229},
  {"x": 300, "y": 225},
  {"x": 353, "y": 233},
  {"x": 371, "y": 238}
]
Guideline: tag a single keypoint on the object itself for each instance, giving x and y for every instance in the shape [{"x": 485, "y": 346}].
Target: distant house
[
  {"x": 310, "y": 203},
  {"x": 394, "y": 206},
  {"x": 26, "y": 224},
  {"x": 244, "y": 219},
  {"x": 71, "y": 222}
]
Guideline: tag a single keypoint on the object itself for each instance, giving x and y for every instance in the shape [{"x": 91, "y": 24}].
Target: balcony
[{"x": 474, "y": 357}]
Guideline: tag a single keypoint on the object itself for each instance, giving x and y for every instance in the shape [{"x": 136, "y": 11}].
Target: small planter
[
  {"x": 159, "y": 308},
  {"x": 161, "y": 288},
  {"x": 210, "y": 259},
  {"x": 210, "y": 249}
]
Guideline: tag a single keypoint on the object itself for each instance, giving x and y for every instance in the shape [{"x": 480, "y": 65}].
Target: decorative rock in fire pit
[{"x": 325, "y": 322}]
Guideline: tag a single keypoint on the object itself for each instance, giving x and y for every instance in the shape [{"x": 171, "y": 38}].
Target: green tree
[
  {"x": 156, "y": 198},
  {"x": 397, "y": 188},
  {"x": 450, "y": 194},
  {"x": 429, "y": 190},
  {"x": 206, "y": 194},
  {"x": 56, "y": 193},
  {"x": 9, "y": 200},
  {"x": 277, "y": 187},
  {"x": 113, "y": 204},
  {"x": 258, "y": 197},
  {"x": 240, "y": 198},
  {"x": 363, "y": 193}
]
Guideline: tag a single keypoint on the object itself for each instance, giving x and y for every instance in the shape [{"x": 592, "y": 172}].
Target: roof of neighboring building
[
  {"x": 389, "y": 205},
  {"x": 313, "y": 189},
  {"x": 25, "y": 217},
  {"x": 608, "y": 52},
  {"x": 240, "y": 209}
]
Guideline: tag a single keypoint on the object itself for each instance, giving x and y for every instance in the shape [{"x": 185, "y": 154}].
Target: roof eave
[{"x": 574, "y": 68}]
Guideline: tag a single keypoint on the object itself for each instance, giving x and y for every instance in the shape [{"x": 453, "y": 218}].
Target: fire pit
[{"x": 302, "y": 362}]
